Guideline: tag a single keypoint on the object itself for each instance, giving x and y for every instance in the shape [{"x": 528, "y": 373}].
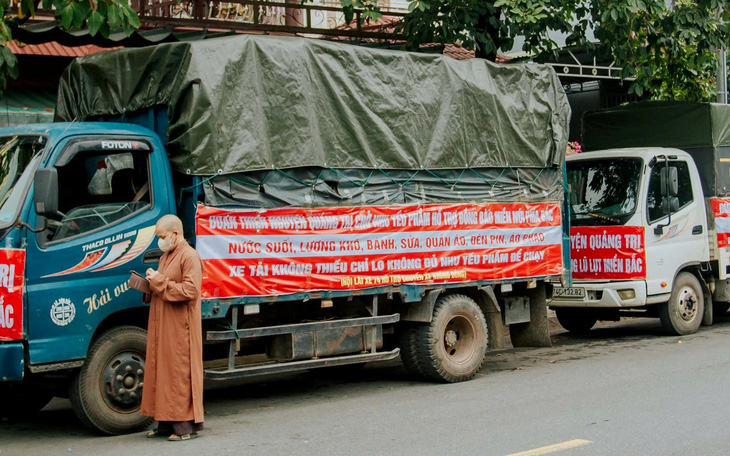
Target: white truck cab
[{"x": 642, "y": 238}]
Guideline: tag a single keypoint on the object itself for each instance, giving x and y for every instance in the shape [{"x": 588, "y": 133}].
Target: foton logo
[{"x": 119, "y": 145}]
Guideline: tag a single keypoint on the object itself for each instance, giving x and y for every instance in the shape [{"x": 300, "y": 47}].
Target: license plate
[{"x": 572, "y": 292}]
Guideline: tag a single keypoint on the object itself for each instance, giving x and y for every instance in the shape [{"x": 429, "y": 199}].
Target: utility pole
[{"x": 722, "y": 77}]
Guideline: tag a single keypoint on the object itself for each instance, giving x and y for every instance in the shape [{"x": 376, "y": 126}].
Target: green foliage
[
  {"x": 100, "y": 16},
  {"x": 671, "y": 52},
  {"x": 668, "y": 52},
  {"x": 368, "y": 8}
]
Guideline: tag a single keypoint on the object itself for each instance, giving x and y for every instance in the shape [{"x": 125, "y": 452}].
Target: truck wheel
[
  {"x": 107, "y": 392},
  {"x": 408, "y": 349},
  {"x": 578, "y": 321},
  {"x": 682, "y": 314},
  {"x": 452, "y": 347}
]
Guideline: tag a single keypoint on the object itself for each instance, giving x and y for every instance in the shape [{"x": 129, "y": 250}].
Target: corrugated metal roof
[
  {"x": 24, "y": 106},
  {"x": 47, "y": 32},
  {"x": 54, "y": 49},
  {"x": 48, "y": 37},
  {"x": 388, "y": 24}
]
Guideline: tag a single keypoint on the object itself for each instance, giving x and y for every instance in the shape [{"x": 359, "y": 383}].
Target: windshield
[
  {"x": 19, "y": 156},
  {"x": 603, "y": 191}
]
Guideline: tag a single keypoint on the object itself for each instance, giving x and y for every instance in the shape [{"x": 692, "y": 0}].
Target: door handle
[
  {"x": 697, "y": 229},
  {"x": 152, "y": 256}
]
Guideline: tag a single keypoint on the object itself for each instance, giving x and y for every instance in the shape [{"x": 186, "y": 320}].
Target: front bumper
[
  {"x": 12, "y": 362},
  {"x": 605, "y": 295}
]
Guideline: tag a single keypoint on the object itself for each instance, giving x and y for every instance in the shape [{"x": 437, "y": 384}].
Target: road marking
[{"x": 553, "y": 448}]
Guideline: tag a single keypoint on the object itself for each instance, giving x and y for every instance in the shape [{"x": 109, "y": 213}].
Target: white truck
[{"x": 649, "y": 217}]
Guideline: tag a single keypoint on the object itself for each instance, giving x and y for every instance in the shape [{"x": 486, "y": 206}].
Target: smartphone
[{"x": 137, "y": 274}]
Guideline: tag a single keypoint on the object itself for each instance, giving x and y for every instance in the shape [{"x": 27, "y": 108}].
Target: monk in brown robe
[{"x": 173, "y": 383}]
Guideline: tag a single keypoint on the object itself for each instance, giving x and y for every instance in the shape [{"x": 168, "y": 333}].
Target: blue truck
[{"x": 162, "y": 130}]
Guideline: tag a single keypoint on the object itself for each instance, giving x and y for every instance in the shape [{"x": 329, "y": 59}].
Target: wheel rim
[
  {"x": 687, "y": 301},
  {"x": 458, "y": 339},
  {"x": 122, "y": 381}
]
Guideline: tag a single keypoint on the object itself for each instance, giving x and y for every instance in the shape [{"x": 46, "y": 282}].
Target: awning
[{"x": 19, "y": 107}]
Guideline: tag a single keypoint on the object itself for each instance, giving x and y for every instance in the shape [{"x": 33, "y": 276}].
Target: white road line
[{"x": 553, "y": 448}]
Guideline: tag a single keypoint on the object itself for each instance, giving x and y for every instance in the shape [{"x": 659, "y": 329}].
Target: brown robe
[{"x": 173, "y": 380}]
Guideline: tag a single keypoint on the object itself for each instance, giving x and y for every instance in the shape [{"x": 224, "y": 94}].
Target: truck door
[
  {"x": 79, "y": 265},
  {"x": 684, "y": 239}
]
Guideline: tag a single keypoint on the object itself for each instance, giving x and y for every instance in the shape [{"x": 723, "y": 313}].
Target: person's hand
[{"x": 151, "y": 273}]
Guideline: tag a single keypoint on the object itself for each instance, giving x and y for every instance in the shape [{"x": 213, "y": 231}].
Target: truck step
[
  {"x": 232, "y": 334},
  {"x": 277, "y": 368}
]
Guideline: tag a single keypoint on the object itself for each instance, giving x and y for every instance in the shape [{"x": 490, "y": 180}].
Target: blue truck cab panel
[{"x": 114, "y": 183}]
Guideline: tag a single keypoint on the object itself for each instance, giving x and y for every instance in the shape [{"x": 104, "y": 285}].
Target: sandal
[
  {"x": 180, "y": 438},
  {"x": 154, "y": 433}
]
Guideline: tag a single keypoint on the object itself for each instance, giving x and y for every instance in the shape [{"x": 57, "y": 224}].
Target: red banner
[
  {"x": 290, "y": 250},
  {"x": 608, "y": 252},
  {"x": 12, "y": 267},
  {"x": 721, "y": 213}
]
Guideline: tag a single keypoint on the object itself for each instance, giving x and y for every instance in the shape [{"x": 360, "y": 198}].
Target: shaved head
[{"x": 167, "y": 224}]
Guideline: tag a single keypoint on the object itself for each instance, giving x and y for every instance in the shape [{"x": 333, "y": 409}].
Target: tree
[
  {"x": 100, "y": 16},
  {"x": 670, "y": 51}
]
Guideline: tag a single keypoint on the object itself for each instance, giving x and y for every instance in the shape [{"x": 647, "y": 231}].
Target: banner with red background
[
  {"x": 12, "y": 268},
  {"x": 290, "y": 250},
  {"x": 608, "y": 252},
  {"x": 721, "y": 212}
]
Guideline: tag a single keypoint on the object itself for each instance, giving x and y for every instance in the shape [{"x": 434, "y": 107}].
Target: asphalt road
[{"x": 624, "y": 389}]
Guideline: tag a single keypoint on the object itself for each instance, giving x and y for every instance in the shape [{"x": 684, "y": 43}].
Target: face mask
[{"x": 165, "y": 244}]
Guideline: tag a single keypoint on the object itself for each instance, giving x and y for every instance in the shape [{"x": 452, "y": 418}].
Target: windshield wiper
[
  {"x": 604, "y": 217},
  {"x": 598, "y": 216}
]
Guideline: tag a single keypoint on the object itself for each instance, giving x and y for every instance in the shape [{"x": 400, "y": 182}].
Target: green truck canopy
[
  {"x": 657, "y": 124},
  {"x": 249, "y": 103},
  {"x": 701, "y": 129}
]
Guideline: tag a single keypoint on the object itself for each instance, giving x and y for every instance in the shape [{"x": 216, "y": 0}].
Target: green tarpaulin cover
[
  {"x": 657, "y": 124},
  {"x": 248, "y": 103}
]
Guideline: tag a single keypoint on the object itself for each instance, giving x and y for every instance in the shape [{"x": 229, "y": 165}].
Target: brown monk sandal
[
  {"x": 180, "y": 438},
  {"x": 154, "y": 433}
]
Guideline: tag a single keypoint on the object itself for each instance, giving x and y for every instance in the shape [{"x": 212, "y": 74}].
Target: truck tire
[
  {"x": 682, "y": 314},
  {"x": 408, "y": 349},
  {"x": 106, "y": 393},
  {"x": 452, "y": 347},
  {"x": 576, "y": 320}
]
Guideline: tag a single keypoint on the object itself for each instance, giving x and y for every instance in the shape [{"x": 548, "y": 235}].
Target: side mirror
[
  {"x": 670, "y": 203},
  {"x": 669, "y": 181},
  {"x": 45, "y": 192}
]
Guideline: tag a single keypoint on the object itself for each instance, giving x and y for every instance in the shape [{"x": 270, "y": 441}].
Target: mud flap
[
  {"x": 536, "y": 333},
  {"x": 496, "y": 329},
  {"x": 708, "y": 315}
]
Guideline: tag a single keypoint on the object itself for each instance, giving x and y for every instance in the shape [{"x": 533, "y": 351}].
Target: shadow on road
[{"x": 231, "y": 398}]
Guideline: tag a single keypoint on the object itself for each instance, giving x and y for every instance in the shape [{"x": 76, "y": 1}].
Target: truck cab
[
  {"x": 99, "y": 188},
  {"x": 639, "y": 239}
]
